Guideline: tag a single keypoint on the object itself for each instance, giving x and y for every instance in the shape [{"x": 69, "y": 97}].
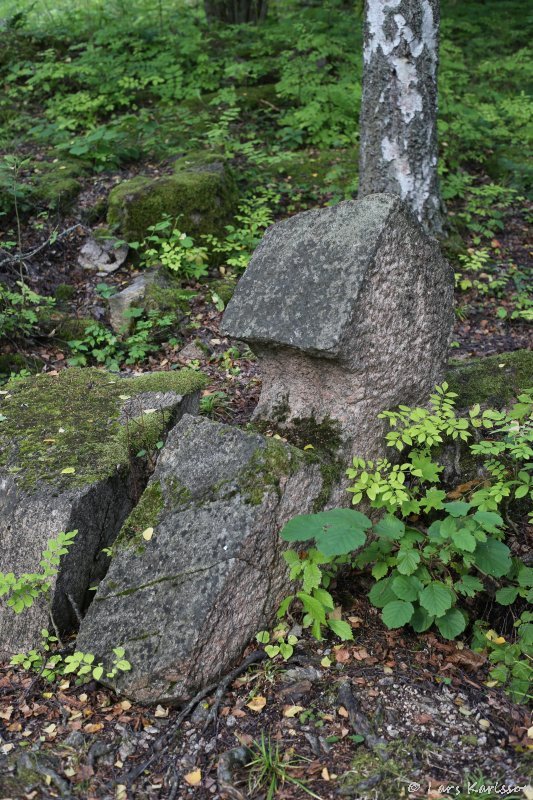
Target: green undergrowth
[{"x": 65, "y": 430}]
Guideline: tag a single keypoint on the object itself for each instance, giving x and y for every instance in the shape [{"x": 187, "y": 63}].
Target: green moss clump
[
  {"x": 145, "y": 515},
  {"x": 266, "y": 467},
  {"x": 71, "y": 422},
  {"x": 56, "y": 184},
  {"x": 493, "y": 380},
  {"x": 202, "y": 195},
  {"x": 224, "y": 287},
  {"x": 64, "y": 292}
]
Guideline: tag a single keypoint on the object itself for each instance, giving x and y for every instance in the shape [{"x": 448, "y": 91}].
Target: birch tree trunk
[{"x": 398, "y": 123}]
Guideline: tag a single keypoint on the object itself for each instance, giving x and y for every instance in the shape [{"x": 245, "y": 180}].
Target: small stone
[
  {"x": 103, "y": 255},
  {"x": 191, "y": 352},
  {"x": 75, "y": 739}
]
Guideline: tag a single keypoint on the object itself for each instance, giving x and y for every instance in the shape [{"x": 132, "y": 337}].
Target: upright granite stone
[
  {"x": 349, "y": 310},
  {"x": 186, "y": 598},
  {"x": 68, "y": 461}
]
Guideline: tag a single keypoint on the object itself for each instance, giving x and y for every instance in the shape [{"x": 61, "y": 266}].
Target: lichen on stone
[{"x": 65, "y": 429}]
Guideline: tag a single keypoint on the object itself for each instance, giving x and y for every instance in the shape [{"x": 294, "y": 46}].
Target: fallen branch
[{"x": 16, "y": 259}]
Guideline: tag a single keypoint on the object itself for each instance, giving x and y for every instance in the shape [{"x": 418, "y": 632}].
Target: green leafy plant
[
  {"x": 279, "y": 642},
  {"x": 512, "y": 661},
  {"x": 21, "y": 311},
  {"x": 166, "y": 245},
  {"x": 21, "y": 591},
  {"x": 101, "y": 345},
  {"x": 426, "y": 555},
  {"x": 52, "y": 665}
]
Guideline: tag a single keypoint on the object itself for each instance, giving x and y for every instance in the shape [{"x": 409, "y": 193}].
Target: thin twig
[{"x": 9, "y": 259}]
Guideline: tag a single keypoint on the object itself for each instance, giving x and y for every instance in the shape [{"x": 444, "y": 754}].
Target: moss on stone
[
  {"x": 491, "y": 381},
  {"x": 71, "y": 422},
  {"x": 266, "y": 468},
  {"x": 203, "y": 196},
  {"x": 145, "y": 515}
]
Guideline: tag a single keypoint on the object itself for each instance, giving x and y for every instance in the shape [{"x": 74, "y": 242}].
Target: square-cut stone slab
[{"x": 350, "y": 310}]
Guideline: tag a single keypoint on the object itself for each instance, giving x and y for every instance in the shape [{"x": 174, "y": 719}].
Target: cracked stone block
[
  {"x": 197, "y": 569},
  {"x": 349, "y": 310},
  {"x": 68, "y": 461}
]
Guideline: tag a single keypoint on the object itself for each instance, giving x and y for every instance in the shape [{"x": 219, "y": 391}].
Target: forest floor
[
  {"x": 432, "y": 727},
  {"x": 388, "y": 715}
]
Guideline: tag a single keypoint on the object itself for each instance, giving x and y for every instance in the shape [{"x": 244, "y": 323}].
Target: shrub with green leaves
[
  {"x": 52, "y": 665},
  {"x": 21, "y": 310},
  {"x": 21, "y": 591},
  {"x": 428, "y": 556},
  {"x": 100, "y": 345},
  {"x": 169, "y": 247},
  {"x": 512, "y": 662}
]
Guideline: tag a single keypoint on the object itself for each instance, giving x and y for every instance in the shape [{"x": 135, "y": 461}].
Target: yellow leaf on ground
[
  {"x": 147, "y": 534},
  {"x": 193, "y": 778},
  {"x": 341, "y": 711},
  {"x": 161, "y": 712},
  {"x": 257, "y": 703},
  {"x": 291, "y": 711},
  {"x": 121, "y": 793},
  {"x": 325, "y": 774}
]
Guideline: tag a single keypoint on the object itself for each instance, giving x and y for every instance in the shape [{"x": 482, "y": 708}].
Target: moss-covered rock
[
  {"x": 185, "y": 599},
  {"x": 491, "y": 381},
  {"x": 73, "y": 422},
  {"x": 75, "y": 453},
  {"x": 201, "y": 192}
]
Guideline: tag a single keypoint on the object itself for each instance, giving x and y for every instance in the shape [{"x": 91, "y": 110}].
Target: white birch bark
[{"x": 398, "y": 123}]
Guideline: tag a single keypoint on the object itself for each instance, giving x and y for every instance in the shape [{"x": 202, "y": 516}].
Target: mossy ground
[
  {"x": 493, "y": 380},
  {"x": 71, "y": 422}
]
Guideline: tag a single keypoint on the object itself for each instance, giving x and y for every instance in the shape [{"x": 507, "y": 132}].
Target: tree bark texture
[
  {"x": 398, "y": 123},
  {"x": 236, "y": 12}
]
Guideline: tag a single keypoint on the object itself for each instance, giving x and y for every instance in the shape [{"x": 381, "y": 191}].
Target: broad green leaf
[
  {"x": 312, "y": 577},
  {"x": 493, "y": 558},
  {"x": 525, "y": 576},
  {"x": 325, "y": 598},
  {"x": 406, "y": 587},
  {"x": 336, "y": 532},
  {"x": 424, "y": 467},
  {"x": 457, "y": 509},
  {"x": 284, "y": 607},
  {"x": 433, "y": 499},
  {"x": 397, "y": 613},
  {"x": 507, "y": 595},
  {"x": 390, "y": 527},
  {"x": 468, "y": 586},
  {"x": 436, "y": 598},
  {"x": 489, "y": 520},
  {"x": 407, "y": 561},
  {"x": 464, "y": 540},
  {"x": 451, "y": 624},
  {"x": 421, "y": 620},
  {"x": 381, "y": 593},
  {"x": 341, "y": 628},
  {"x": 98, "y": 672},
  {"x": 313, "y": 607},
  {"x": 379, "y": 570}
]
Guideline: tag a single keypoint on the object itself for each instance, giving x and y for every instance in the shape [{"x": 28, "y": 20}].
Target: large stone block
[
  {"x": 349, "y": 310},
  {"x": 185, "y": 603},
  {"x": 68, "y": 448},
  {"x": 201, "y": 193}
]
